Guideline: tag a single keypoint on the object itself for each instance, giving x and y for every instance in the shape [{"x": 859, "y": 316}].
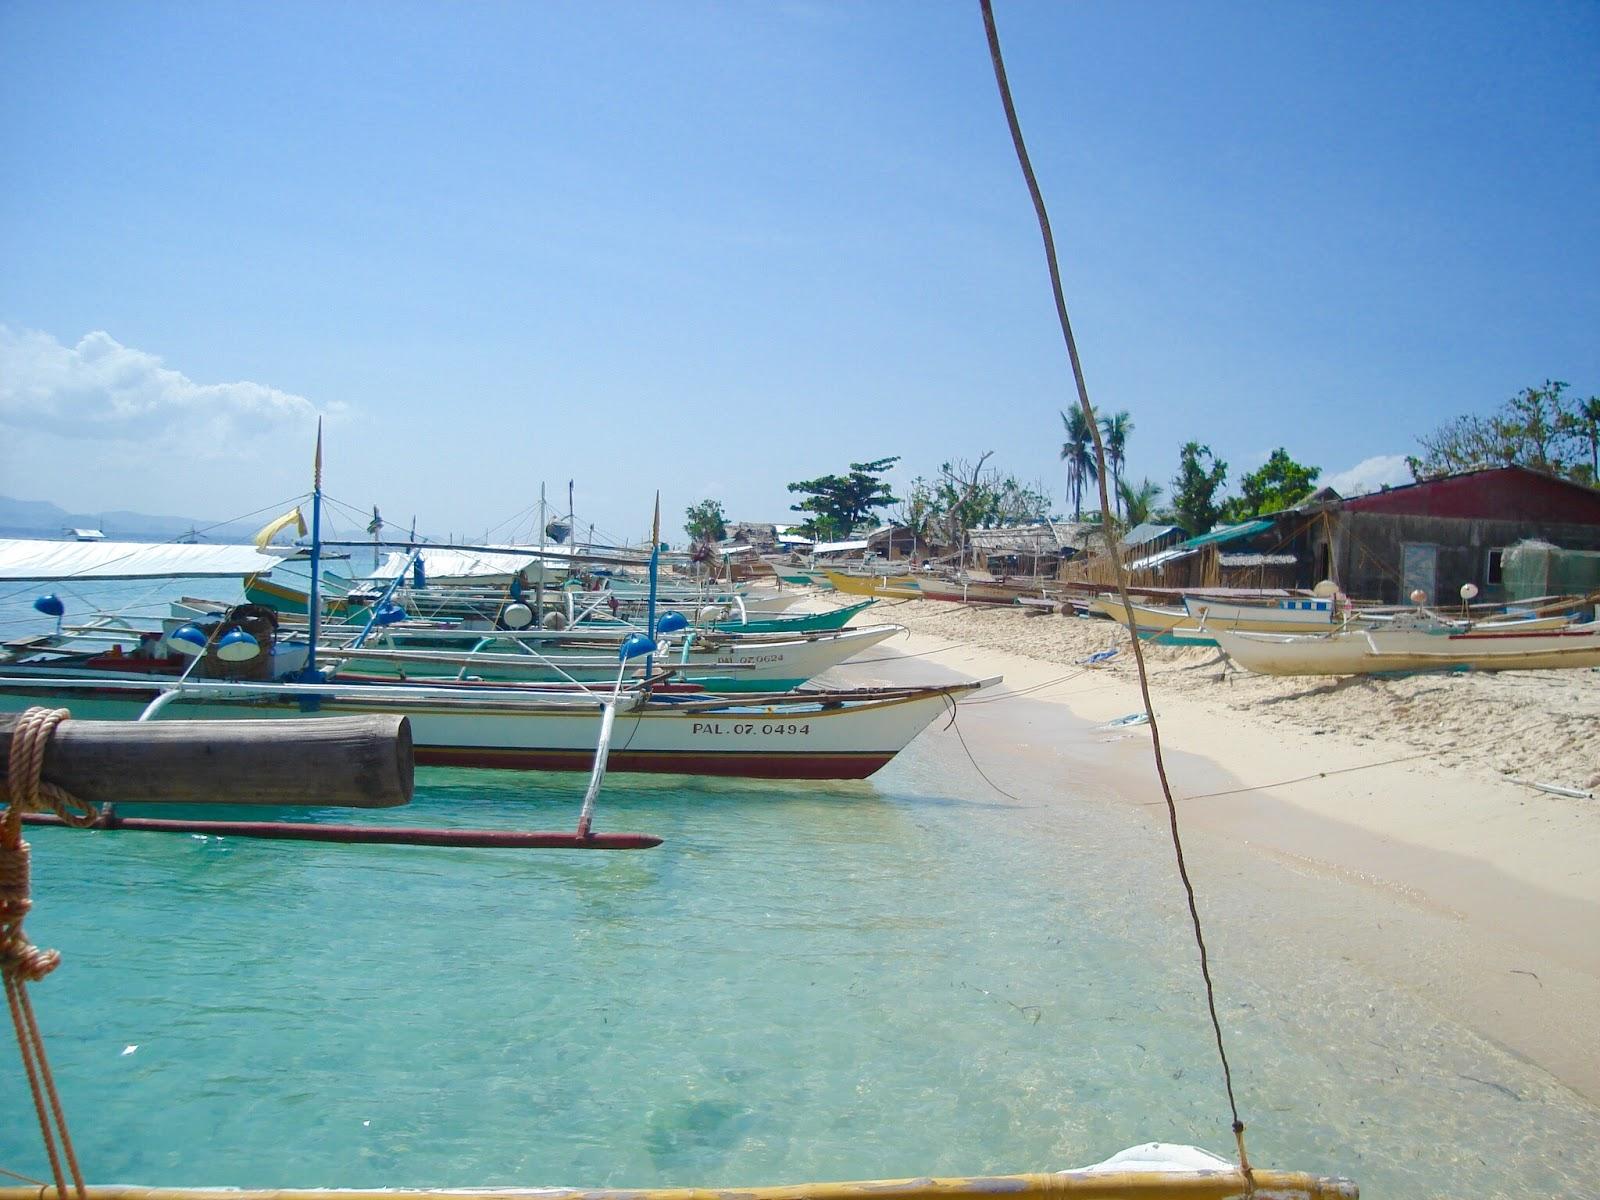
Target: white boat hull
[
  {"x": 1378, "y": 651},
  {"x": 788, "y": 738}
]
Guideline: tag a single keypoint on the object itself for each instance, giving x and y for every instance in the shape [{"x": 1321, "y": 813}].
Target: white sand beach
[{"x": 1402, "y": 788}]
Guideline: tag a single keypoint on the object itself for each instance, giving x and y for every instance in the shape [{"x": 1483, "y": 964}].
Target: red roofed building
[{"x": 1438, "y": 534}]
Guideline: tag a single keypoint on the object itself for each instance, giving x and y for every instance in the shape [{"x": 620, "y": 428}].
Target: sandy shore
[{"x": 1401, "y": 788}]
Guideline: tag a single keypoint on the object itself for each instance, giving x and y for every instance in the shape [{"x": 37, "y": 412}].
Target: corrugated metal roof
[
  {"x": 1147, "y": 531},
  {"x": 1161, "y": 559},
  {"x": 1227, "y": 533}
]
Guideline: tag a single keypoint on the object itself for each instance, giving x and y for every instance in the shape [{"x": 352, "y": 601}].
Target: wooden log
[{"x": 346, "y": 762}]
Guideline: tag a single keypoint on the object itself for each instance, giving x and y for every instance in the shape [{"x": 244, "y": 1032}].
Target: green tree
[
  {"x": 1278, "y": 483},
  {"x": 1540, "y": 427},
  {"x": 1078, "y": 453},
  {"x": 705, "y": 522},
  {"x": 965, "y": 496},
  {"x": 1138, "y": 502},
  {"x": 837, "y": 504},
  {"x": 1194, "y": 490},
  {"x": 1584, "y": 424},
  {"x": 1114, "y": 431}
]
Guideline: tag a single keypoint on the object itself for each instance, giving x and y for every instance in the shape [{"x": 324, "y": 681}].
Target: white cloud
[
  {"x": 1369, "y": 475},
  {"x": 104, "y": 391}
]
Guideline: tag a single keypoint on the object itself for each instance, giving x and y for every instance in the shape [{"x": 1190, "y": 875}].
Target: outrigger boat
[
  {"x": 799, "y": 576},
  {"x": 1199, "y": 619},
  {"x": 1435, "y": 647},
  {"x": 232, "y": 666},
  {"x": 961, "y": 590},
  {"x": 585, "y": 608},
  {"x": 892, "y": 587},
  {"x": 824, "y": 734},
  {"x": 719, "y": 662}
]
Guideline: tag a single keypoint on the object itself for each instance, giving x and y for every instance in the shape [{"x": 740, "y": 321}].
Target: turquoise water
[{"x": 909, "y": 976}]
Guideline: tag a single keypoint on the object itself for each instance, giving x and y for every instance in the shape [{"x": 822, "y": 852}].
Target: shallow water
[{"x": 910, "y": 976}]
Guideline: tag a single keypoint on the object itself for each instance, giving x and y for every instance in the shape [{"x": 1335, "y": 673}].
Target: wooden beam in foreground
[{"x": 344, "y": 762}]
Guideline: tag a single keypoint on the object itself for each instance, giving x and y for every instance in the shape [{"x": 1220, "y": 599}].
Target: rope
[
  {"x": 21, "y": 962},
  {"x": 1116, "y": 556},
  {"x": 952, "y": 725},
  {"x": 1239, "y": 791}
]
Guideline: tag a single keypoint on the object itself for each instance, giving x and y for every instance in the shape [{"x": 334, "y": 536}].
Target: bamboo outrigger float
[{"x": 1221, "y": 1181}]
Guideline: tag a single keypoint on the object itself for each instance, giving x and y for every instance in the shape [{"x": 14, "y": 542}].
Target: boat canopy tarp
[
  {"x": 445, "y": 562},
  {"x": 35, "y": 559},
  {"x": 1226, "y": 533}
]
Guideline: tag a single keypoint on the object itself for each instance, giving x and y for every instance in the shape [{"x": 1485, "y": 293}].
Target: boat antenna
[
  {"x": 376, "y": 530},
  {"x": 1112, "y": 547}
]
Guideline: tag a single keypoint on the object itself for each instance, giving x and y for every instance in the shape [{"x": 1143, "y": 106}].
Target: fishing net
[{"x": 1533, "y": 568}]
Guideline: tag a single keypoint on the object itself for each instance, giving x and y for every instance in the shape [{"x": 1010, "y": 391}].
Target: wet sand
[{"x": 1437, "y": 874}]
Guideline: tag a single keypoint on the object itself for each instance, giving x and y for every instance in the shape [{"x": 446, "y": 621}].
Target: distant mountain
[{"x": 40, "y": 518}]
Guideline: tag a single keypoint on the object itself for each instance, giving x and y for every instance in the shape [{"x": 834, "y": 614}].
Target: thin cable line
[{"x": 1259, "y": 787}]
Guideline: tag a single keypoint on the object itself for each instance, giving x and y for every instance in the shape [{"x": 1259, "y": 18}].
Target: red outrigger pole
[{"x": 381, "y": 835}]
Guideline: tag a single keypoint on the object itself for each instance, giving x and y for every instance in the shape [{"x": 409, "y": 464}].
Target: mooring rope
[
  {"x": 981, "y": 773},
  {"x": 21, "y": 962},
  {"x": 1121, "y": 570}
]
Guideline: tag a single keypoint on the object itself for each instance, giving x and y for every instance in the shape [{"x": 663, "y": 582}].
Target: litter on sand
[{"x": 1136, "y": 718}]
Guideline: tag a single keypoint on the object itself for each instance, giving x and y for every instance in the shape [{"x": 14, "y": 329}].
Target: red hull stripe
[{"x": 740, "y": 766}]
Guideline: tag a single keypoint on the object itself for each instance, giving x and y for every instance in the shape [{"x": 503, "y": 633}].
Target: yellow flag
[{"x": 273, "y": 528}]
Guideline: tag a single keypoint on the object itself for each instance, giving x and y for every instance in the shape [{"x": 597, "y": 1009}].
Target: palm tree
[
  {"x": 1078, "y": 453},
  {"x": 1115, "y": 430},
  {"x": 1140, "y": 501},
  {"x": 1589, "y": 431}
]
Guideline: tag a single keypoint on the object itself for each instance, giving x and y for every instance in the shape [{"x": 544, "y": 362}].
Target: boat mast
[
  {"x": 655, "y": 571},
  {"x": 313, "y": 599},
  {"x": 538, "y": 587}
]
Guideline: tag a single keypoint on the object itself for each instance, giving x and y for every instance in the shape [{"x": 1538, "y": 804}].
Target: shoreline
[{"x": 1487, "y": 892}]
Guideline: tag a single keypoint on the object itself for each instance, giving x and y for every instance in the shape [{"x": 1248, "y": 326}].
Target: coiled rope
[
  {"x": 1116, "y": 557},
  {"x": 21, "y": 962}
]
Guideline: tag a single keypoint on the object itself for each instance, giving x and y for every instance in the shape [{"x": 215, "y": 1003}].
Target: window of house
[{"x": 1493, "y": 574}]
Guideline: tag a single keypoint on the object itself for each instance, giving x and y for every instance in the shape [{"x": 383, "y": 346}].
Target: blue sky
[{"x": 713, "y": 248}]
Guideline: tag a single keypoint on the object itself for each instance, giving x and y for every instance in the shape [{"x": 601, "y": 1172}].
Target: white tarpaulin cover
[
  {"x": 443, "y": 562},
  {"x": 28, "y": 558}
]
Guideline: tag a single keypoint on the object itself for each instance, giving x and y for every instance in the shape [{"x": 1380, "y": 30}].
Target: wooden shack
[
  {"x": 1435, "y": 535},
  {"x": 1035, "y": 550}
]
